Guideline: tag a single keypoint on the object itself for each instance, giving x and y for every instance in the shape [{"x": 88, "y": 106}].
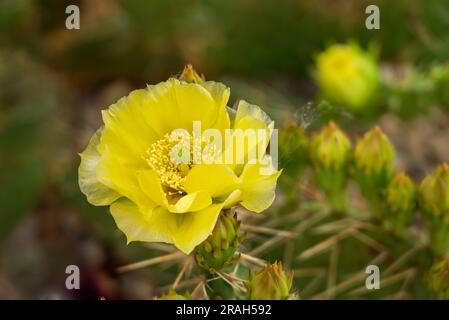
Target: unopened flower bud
[
  {"x": 218, "y": 250},
  {"x": 190, "y": 75},
  {"x": 400, "y": 199},
  {"x": 438, "y": 279},
  {"x": 434, "y": 202},
  {"x": 434, "y": 193},
  {"x": 271, "y": 282},
  {"x": 374, "y": 156},
  {"x": 330, "y": 149},
  {"x": 373, "y": 161},
  {"x": 330, "y": 152}
]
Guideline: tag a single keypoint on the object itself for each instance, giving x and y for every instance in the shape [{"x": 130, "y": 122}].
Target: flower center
[{"x": 170, "y": 159}]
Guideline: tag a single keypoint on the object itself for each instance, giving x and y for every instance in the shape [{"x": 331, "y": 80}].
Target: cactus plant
[{"x": 334, "y": 235}]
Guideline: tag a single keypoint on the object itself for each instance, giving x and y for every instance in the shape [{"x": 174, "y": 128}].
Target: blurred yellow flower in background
[
  {"x": 346, "y": 75},
  {"x": 127, "y": 164}
]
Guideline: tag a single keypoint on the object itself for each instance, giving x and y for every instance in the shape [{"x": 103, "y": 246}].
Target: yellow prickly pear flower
[
  {"x": 347, "y": 75},
  {"x": 128, "y": 163}
]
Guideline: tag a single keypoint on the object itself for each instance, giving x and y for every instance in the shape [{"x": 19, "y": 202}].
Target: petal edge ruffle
[{"x": 97, "y": 193}]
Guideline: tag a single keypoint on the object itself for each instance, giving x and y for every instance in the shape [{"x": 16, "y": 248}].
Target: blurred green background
[{"x": 54, "y": 82}]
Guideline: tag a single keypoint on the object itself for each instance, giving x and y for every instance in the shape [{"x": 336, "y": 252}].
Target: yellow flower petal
[
  {"x": 193, "y": 228},
  {"x": 150, "y": 184},
  {"x": 174, "y": 104},
  {"x": 186, "y": 231},
  {"x": 217, "y": 180},
  {"x": 191, "y": 202},
  {"x": 220, "y": 93},
  {"x": 136, "y": 226},
  {"x": 258, "y": 190},
  {"x": 251, "y": 116},
  {"x": 250, "y": 119},
  {"x": 97, "y": 193},
  {"x": 233, "y": 199},
  {"x": 126, "y": 135},
  {"x": 121, "y": 179}
]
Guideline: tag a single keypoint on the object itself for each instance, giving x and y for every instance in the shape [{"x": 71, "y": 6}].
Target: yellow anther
[
  {"x": 172, "y": 158},
  {"x": 171, "y": 173}
]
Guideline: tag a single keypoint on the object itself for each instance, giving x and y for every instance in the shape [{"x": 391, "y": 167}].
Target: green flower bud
[
  {"x": 400, "y": 197},
  {"x": 373, "y": 162},
  {"x": 218, "y": 250},
  {"x": 374, "y": 156},
  {"x": 172, "y": 295},
  {"x": 330, "y": 152},
  {"x": 434, "y": 193},
  {"x": 347, "y": 75},
  {"x": 438, "y": 279},
  {"x": 271, "y": 282},
  {"x": 330, "y": 149},
  {"x": 434, "y": 202},
  {"x": 190, "y": 75}
]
